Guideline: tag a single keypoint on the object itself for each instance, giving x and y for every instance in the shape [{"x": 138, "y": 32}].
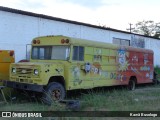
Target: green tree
[{"x": 148, "y": 28}]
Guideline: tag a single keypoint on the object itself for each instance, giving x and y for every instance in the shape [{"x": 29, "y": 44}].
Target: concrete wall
[
  {"x": 17, "y": 30},
  {"x": 155, "y": 46}
]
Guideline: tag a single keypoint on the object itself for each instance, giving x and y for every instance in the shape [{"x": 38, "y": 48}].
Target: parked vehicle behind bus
[
  {"x": 6, "y": 58},
  {"x": 59, "y": 64}
]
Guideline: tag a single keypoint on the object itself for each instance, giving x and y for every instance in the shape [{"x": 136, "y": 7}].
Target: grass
[
  {"x": 157, "y": 70},
  {"x": 123, "y": 100},
  {"x": 144, "y": 98}
]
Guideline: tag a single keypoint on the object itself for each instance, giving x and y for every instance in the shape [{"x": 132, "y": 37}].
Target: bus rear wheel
[
  {"x": 54, "y": 92},
  {"x": 131, "y": 85}
]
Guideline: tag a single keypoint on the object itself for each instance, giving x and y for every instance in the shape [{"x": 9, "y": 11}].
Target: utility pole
[{"x": 130, "y": 27}]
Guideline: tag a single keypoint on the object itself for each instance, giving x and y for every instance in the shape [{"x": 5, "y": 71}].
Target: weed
[{"x": 142, "y": 99}]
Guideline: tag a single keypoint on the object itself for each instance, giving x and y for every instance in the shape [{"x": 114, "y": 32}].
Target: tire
[
  {"x": 54, "y": 92},
  {"x": 155, "y": 82},
  {"x": 131, "y": 85}
]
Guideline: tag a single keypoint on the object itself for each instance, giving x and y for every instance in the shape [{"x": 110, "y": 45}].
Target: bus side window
[{"x": 78, "y": 53}]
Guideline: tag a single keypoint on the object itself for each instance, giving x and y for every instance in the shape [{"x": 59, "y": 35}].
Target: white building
[{"x": 18, "y": 28}]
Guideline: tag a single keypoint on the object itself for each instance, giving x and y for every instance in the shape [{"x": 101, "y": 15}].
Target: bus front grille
[{"x": 24, "y": 71}]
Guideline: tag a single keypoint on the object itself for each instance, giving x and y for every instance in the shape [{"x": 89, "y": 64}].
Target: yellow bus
[
  {"x": 60, "y": 63},
  {"x": 6, "y": 58}
]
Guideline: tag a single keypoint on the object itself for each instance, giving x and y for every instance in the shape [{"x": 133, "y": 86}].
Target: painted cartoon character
[
  {"x": 76, "y": 75},
  {"x": 122, "y": 57},
  {"x": 122, "y": 60},
  {"x": 76, "y": 72},
  {"x": 135, "y": 59}
]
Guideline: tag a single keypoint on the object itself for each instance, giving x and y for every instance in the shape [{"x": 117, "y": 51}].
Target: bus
[
  {"x": 59, "y": 64},
  {"x": 6, "y": 58}
]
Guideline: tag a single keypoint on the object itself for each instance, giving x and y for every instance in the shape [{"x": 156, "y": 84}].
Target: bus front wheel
[{"x": 54, "y": 92}]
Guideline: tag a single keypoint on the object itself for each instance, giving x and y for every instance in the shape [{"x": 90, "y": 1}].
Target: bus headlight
[
  {"x": 13, "y": 70},
  {"x": 35, "y": 71}
]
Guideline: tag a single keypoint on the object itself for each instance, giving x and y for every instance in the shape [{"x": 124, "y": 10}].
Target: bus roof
[{"x": 91, "y": 43}]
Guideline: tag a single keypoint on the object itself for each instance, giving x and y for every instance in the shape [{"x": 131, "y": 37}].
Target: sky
[{"x": 117, "y": 14}]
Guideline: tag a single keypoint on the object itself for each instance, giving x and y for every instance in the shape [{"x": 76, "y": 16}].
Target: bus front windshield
[{"x": 56, "y": 52}]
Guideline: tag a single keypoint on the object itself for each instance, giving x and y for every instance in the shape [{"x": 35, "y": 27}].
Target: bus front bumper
[{"x": 24, "y": 86}]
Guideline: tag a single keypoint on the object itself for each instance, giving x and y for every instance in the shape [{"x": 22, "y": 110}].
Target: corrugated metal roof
[{"x": 6, "y": 9}]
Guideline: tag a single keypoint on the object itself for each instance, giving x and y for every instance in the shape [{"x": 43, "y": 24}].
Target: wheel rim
[{"x": 56, "y": 94}]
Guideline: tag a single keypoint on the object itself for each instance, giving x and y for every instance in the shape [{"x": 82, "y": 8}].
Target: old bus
[
  {"x": 6, "y": 58},
  {"x": 59, "y": 64}
]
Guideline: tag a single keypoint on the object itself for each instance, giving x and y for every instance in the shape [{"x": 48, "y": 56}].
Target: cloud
[
  {"x": 8, "y": 3},
  {"x": 111, "y": 13},
  {"x": 27, "y": 4},
  {"x": 23, "y": 4},
  {"x": 86, "y": 3}
]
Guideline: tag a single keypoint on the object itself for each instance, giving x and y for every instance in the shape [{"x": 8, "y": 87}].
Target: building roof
[{"x": 11, "y": 10}]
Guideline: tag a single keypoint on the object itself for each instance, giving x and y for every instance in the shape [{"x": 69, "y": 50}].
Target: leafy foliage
[{"x": 148, "y": 28}]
